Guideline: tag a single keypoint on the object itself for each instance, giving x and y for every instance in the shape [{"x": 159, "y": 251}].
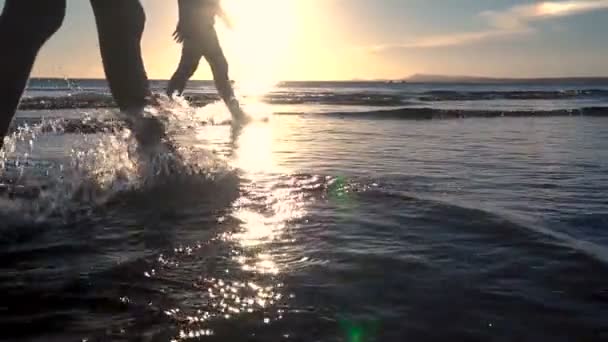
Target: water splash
[{"x": 98, "y": 167}]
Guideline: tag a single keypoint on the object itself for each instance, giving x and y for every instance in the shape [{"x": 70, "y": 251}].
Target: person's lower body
[
  {"x": 191, "y": 55},
  {"x": 120, "y": 25},
  {"x": 219, "y": 68},
  {"x": 25, "y": 25},
  {"x": 208, "y": 46}
]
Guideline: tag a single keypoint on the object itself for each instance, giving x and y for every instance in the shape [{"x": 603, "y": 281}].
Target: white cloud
[
  {"x": 454, "y": 39},
  {"x": 505, "y": 24},
  {"x": 520, "y": 16}
]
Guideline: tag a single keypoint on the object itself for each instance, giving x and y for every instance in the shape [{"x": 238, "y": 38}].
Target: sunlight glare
[
  {"x": 255, "y": 152},
  {"x": 257, "y": 46}
]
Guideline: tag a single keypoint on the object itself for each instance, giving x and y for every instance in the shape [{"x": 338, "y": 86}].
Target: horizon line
[{"x": 408, "y": 78}]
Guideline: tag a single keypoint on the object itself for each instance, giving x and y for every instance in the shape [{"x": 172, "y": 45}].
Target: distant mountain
[{"x": 423, "y": 78}]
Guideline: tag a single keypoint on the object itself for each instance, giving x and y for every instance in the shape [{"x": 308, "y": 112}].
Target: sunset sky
[{"x": 365, "y": 39}]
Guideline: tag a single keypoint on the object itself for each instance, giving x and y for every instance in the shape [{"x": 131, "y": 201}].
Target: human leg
[
  {"x": 120, "y": 25},
  {"x": 25, "y": 25},
  {"x": 187, "y": 67}
]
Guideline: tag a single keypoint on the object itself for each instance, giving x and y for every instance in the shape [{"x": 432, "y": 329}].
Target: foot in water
[
  {"x": 239, "y": 117},
  {"x": 154, "y": 150},
  {"x": 149, "y": 131}
]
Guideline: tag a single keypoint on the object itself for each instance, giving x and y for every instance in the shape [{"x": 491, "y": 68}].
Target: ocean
[{"x": 346, "y": 211}]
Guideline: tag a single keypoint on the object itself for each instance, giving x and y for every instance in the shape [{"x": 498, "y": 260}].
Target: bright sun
[{"x": 257, "y": 48}]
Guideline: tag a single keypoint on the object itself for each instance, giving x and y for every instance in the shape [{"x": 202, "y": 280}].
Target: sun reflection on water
[
  {"x": 254, "y": 152},
  {"x": 249, "y": 284}
]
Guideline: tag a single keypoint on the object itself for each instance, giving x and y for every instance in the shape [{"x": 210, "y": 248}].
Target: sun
[{"x": 258, "y": 46}]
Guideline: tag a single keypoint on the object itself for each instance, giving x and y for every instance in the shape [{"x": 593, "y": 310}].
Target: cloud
[
  {"x": 521, "y": 16},
  {"x": 504, "y": 24},
  {"x": 453, "y": 39}
]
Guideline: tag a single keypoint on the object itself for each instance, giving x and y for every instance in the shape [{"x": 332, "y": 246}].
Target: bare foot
[
  {"x": 149, "y": 131},
  {"x": 239, "y": 117}
]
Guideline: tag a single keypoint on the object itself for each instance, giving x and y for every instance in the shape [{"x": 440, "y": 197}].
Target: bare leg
[
  {"x": 187, "y": 67},
  {"x": 25, "y": 25},
  {"x": 219, "y": 67},
  {"x": 120, "y": 24}
]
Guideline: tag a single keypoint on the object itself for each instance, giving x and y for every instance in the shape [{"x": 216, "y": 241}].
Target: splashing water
[{"x": 100, "y": 166}]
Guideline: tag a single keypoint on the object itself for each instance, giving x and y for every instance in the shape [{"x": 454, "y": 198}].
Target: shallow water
[{"x": 314, "y": 228}]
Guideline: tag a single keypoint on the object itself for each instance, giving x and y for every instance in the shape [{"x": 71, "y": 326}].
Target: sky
[{"x": 363, "y": 39}]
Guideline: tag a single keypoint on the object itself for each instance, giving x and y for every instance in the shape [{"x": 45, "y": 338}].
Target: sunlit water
[{"x": 308, "y": 228}]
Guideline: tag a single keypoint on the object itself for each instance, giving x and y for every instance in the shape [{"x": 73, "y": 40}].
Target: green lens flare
[
  {"x": 359, "y": 331},
  {"x": 340, "y": 193},
  {"x": 355, "y": 335}
]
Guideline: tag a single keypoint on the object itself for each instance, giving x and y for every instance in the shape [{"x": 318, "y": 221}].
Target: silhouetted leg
[
  {"x": 120, "y": 24},
  {"x": 219, "y": 67},
  {"x": 186, "y": 68},
  {"x": 25, "y": 25}
]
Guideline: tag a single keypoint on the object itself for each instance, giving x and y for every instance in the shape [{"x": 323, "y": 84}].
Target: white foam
[{"x": 101, "y": 166}]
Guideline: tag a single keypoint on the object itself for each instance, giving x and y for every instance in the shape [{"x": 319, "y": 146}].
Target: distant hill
[{"x": 422, "y": 78}]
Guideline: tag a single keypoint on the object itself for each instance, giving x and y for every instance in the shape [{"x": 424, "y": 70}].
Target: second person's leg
[
  {"x": 219, "y": 67},
  {"x": 187, "y": 67}
]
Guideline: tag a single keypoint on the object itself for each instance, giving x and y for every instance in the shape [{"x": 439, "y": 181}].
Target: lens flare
[{"x": 258, "y": 43}]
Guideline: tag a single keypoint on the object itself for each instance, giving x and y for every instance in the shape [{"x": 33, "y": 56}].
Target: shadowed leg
[
  {"x": 25, "y": 25},
  {"x": 219, "y": 67},
  {"x": 120, "y": 25},
  {"x": 187, "y": 67}
]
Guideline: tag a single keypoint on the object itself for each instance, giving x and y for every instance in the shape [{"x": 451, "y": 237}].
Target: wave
[
  {"x": 81, "y": 100},
  {"x": 489, "y": 226},
  {"x": 349, "y": 99},
  {"x": 95, "y": 100},
  {"x": 90, "y": 125},
  {"x": 102, "y": 100},
  {"x": 90, "y": 93},
  {"x": 96, "y": 126},
  {"x": 433, "y": 113},
  {"x": 441, "y": 95}
]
